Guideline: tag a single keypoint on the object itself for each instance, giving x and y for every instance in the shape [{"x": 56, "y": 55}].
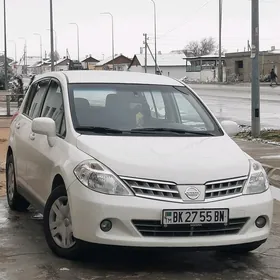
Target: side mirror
[
  {"x": 45, "y": 126},
  {"x": 230, "y": 127}
]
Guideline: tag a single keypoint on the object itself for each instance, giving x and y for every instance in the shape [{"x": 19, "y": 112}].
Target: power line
[{"x": 178, "y": 26}]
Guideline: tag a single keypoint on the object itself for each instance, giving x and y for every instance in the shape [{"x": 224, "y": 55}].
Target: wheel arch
[
  {"x": 57, "y": 181},
  {"x": 9, "y": 151}
]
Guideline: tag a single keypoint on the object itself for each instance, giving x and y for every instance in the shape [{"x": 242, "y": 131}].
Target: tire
[
  {"x": 15, "y": 200},
  {"x": 57, "y": 212},
  {"x": 243, "y": 249}
]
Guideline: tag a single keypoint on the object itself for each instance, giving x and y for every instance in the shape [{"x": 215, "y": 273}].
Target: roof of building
[
  {"x": 31, "y": 60},
  {"x": 41, "y": 63},
  {"x": 90, "y": 59},
  {"x": 109, "y": 59},
  {"x": 169, "y": 59},
  {"x": 123, "y": 77},
  {"x": 2, "y": 59},
  {"x": 248, "y": 54},
  {"x": 62, "y": 60},
  {"x": 207, "y": 56}
]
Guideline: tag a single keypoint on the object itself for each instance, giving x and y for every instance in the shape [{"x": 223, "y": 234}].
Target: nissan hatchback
[{"x": 137, "y": 160}]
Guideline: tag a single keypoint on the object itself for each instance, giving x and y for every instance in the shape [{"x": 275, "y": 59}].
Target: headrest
[
  {"x": 112, "y": 100},
  {"x": 81, "y": 103}
]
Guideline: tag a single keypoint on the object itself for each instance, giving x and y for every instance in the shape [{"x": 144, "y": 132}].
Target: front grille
[
  {"x": 151, "y": 228},
  {"x": 225, "y": 188},
  {"x": 154, "y": 189}
]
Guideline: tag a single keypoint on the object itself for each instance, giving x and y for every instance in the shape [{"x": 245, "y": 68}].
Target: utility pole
[
  {"x": 155, "y": 33},
  {"x": 113, "y": 38},
  {"x": 159, "y": 71},
  {"x": 146, "y": 51},
  {"x": 255, "y": 99},
  {"x": 15, "y": 44},
  {"x": 78, "y": 39},
  {"x": 220, "y": 41},
  {"x": 5, "y": 48},
  {"x": 41, "y": 51},
  {"x": 51, "y": 32}
]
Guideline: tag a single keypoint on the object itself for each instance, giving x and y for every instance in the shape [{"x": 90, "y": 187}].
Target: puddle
[
  {"x": 37, "y": 216},
  {"x": 3, "y": 220}
]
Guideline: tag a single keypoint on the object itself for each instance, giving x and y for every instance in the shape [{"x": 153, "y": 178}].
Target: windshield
[{"x": 139, "y": 109}]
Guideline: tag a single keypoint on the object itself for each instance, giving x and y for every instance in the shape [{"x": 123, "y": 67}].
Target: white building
[
  {"x": 23, "y": 67},
  {"x": 172, "y": 64},
  {"x": 203, "y": 68}
]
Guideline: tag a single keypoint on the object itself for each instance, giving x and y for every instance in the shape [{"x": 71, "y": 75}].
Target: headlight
[
  {"x": 257, "y": 181},
  {"x": 97, "y": 177}
]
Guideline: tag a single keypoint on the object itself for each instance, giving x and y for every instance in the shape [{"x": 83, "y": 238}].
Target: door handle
[
  {"x": 18, "y": 125},
  {"x": 32, "y": 136}
]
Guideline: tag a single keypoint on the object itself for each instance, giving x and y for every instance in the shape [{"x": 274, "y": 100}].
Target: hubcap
[
  {"x": 11, "y": 182},
  {"x": 60, "y": 223}
]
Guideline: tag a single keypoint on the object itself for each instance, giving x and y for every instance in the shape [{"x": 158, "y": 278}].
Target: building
[
  {"x": 89, "y": 63},
  {"x": 171, "y": 64},
  {"x": 239, "y": 64},
  {"x": 62, "y": 64},
  {"x": 24, "y": 65},
  {"x": 204, "y": 68},
  {"x": 40, "y": 67},
  {"x": 121, "y": 63}
]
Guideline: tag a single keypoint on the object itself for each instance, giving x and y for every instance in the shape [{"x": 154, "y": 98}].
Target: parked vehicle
[{"x": 129, "y": 159}]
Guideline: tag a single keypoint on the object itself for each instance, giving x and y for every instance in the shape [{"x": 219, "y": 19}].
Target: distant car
[{"x": 129, "y": 159}]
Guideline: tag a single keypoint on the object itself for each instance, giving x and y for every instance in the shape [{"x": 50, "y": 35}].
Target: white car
[{"x": 87, "y": 152}]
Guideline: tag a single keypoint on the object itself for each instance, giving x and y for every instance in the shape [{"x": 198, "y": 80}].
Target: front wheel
[{"x": 58, "y": 226}]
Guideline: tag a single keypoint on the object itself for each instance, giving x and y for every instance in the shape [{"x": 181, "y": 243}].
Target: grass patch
[{"x": 268, "y": 135}]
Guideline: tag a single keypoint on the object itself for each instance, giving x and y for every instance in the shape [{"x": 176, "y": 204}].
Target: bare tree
[
  {"x": 204, "y": 47},
  {"x": 208, "y": 46},
  {"x": 193, "y": 48},
  {"x": 56, "y": 56}
]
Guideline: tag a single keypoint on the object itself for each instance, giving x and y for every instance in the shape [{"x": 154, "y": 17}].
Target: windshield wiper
[
  {"x": 99, "y": 129},
  {"x": 172, "y": 130}
]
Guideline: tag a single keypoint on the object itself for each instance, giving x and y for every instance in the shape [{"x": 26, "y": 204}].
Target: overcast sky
[{"x": 179, "y": 21}]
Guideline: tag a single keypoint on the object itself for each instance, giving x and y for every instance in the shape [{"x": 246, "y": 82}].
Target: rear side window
[{"x": 35, "y": 99}]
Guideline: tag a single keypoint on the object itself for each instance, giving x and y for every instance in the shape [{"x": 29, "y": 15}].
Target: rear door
[{"x": 23, "y": 146}]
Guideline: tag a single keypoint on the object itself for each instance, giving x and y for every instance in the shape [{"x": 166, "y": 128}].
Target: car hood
[{"x": 183, "y": 160}]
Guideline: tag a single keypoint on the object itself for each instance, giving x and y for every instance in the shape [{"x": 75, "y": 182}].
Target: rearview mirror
[
  {"x": 45, "y": 126},
  {"x": 230, "y": 127}
]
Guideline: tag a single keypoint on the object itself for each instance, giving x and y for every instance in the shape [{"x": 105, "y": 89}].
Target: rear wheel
[
  {"x": 58, "y": 226},
  {"x": 15, "y": 200}
]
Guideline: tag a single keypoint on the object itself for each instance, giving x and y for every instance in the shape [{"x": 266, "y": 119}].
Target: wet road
[
  {"x": 234, "y": 103},
  {"x": 25, "y": 255}
]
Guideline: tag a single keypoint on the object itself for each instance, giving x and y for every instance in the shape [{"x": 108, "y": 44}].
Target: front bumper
[{"x": 89, "y": 208}]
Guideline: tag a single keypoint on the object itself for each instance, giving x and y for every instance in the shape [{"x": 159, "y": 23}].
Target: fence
[{"x": 10, "y": 103}]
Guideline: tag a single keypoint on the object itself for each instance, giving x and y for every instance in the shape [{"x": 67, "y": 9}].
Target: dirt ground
[{"x": 4, "y": 134}]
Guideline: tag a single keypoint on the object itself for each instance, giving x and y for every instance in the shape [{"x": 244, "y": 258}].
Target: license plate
[{"x": 203, "y": 216}]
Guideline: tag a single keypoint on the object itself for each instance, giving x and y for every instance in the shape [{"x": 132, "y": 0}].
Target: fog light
[
  {"x": 260, "y": 222},
  {"x": 106, "y": 225}
]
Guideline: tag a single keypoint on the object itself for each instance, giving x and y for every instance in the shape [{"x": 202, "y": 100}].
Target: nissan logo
[{"x": 192, "y": 193}]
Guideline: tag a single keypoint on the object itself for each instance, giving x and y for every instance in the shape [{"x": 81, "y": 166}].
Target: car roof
[{"x": 123, "y": 77}]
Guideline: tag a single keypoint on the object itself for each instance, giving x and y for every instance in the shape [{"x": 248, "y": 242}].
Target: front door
[{"x": 44, "y": 157}]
